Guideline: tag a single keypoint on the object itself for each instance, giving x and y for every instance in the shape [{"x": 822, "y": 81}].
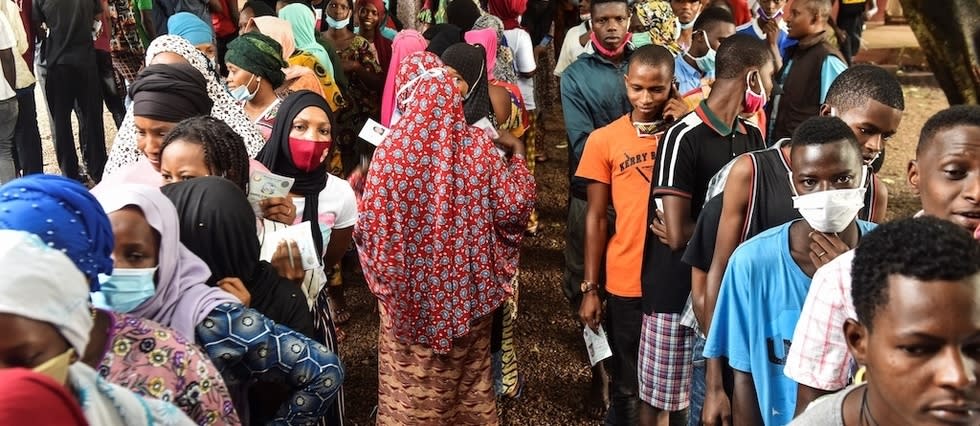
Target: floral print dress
[{"x": 154, "y": 361}]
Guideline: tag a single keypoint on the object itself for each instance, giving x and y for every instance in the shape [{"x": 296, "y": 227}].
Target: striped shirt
[{"x": 690, "y": 154}]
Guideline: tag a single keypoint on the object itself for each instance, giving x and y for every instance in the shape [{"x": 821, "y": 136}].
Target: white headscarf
[{"x": 41, "y": 283}]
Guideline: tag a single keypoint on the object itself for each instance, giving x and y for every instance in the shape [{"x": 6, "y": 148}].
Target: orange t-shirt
[{"x": 616, "y": 156}]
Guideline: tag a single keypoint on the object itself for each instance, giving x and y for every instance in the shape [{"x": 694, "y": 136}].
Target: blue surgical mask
[
  {"x": 705, "y": 63},
  {"x": 126, "y": 289},
  {"x": 335, "y": 24},
  {"x": 241, "y": 93},
  {"x": 641, "y": 39}
]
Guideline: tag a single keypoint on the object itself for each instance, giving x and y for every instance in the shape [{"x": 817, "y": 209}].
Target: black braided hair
[{"x": 224, "y": 150}]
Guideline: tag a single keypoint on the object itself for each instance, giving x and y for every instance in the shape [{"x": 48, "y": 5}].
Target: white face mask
[{"x": 832, "y": 210}]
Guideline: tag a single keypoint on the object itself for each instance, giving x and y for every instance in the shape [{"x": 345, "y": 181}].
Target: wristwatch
[{"x": 588, "y": 286}]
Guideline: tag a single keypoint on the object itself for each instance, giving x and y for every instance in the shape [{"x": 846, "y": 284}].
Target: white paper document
[
  {"x": 301, "y": 234},
  {"x": 597, "y": 345}
]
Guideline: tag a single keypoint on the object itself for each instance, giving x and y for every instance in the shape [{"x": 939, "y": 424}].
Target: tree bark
[{"x": 949, "y": 34}]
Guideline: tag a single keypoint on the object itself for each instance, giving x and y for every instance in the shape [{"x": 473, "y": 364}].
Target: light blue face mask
[
  {"x": 126, "y": 289},
  {"x": 335, "y": 24},
  {"x": 705, "y": 63},
  {"x": 641, "y": 39},
  {"x": 241, "y": 93}
]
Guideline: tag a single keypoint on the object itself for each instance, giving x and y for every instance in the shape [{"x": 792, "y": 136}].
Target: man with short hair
[
  {"x": 767, "y": 277},
  {"x": 67, "y": 67},
  {"x": 695, "y": 68},
  {"x": 768, "y": 25},
  {"x": 687, "y": 12},
  {"x": 757, "y": 196},
  {"x": 808, "y": 70},
  {"x": 915, "y": 328},
  {"x": 946, "y": 175},
  {"x": 690, "y": 153},
  {"x": 592, "y": 96},
  {"x": 618, "y": 163}
]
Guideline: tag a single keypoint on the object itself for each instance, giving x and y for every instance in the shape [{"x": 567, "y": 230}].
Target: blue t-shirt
[
  {"x": 752, "y": 28},
  {"x": 688, "y": 77},
  {"x": 761, "y": 297}
]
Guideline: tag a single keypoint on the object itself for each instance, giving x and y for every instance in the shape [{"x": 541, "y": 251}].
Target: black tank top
[{"x": 771, "y": 199}]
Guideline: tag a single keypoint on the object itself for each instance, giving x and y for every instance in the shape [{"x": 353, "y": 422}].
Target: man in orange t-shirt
[{"x": 618, "y": 162}]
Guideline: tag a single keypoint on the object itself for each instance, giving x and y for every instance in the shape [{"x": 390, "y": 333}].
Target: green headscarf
[
  {"x": 258, "y": 54},
  {"x": 302, "y": 20}
]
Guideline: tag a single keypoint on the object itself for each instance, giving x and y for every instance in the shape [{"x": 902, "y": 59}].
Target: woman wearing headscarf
[
  {"x": 222, "y": 232},
  {"x": 361, "y": 64},
  {"x": 255, "y": 60},
  {"x": 373, "y": 19},
  {"x": 199, "y": 33},
  {"x": 462, "y": 59},
  {"x": 442, "y": 36},
  {"x": 503, "y": 69},
  {"x": 162, "y": 95},
  {"x": 242, "y": 342},
  {"x": 253, "y": 9},
  {"x": 461, "y": 218},
  {"x": 298, "y": 147},
  {"x": 405, "y": 43},
  {"x": 170, "y": 49},
  {"x": 298, "y": 77},
  {"x": 46, "y": 320},
  {"x": 509, "y": 11},
  {"x": 463, "y": 13},
  {"x": 301, "y": 19},
  {"x": 30, "y": 397},
  {"x": 656, "y": 18},
  {"x": 70, "y": 219}
]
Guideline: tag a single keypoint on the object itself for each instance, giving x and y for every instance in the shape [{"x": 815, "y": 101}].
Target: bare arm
[
  {"x": 596, "y": 232},
  {"x": 500, "y": 100},
  {"x": 677, "y": 217},
  {"x": 880, "y": 208},
  {"x": 745, "y": 402},
  {"x": 339, "y": 242},
  {"x": 733, "y": 212},
  {"x": 7, "y": 62}
]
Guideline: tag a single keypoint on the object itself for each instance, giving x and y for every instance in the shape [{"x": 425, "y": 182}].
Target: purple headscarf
[{"x": 182, "y": 300}]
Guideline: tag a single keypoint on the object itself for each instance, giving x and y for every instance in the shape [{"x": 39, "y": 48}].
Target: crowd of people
[{"x": 722, "y": 231}]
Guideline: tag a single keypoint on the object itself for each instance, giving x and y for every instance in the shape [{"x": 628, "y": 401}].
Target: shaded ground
[{"x": 550, "y": 350}]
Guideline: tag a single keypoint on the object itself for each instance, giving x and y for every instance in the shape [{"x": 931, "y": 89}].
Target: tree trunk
[{"x": 949, "y": 33}]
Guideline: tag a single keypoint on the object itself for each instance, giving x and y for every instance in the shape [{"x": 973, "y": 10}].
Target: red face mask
[{"x": 306, "y": 153}]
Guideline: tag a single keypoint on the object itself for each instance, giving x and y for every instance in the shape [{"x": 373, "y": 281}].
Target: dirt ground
[{"x": 551, "y": 351}]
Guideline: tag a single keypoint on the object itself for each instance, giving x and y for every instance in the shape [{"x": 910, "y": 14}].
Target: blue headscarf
[
  {"x": 65, "y": 215},
  {"x": 191, "y": 28}
]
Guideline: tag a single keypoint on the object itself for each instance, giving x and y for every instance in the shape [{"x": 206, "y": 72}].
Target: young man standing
[
  {"x": 768, "y": 25},
  {"x": 768, "y": 276},
  {"x": 576, "y": 40},
  {"x": 618, "y": 164},
  {"x": 916, "y": 291},
  {"x": 946, "y": 175},
  {"x": 67, "y": 68},
  {"x": 687, "y": 12},
  {"x": 757, "y": 195},
  {"x": 694, "y": 69},
  {"x": 691, "y": 152},
  {"x": 851, "y": 16},
  {"x": 592, "y": 96},
  {"x": 808, "y": 69}
]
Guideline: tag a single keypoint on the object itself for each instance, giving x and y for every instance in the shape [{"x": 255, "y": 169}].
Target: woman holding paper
[
  {"x": 441, "y": 259},
  {"x": 152, "y": 264}
]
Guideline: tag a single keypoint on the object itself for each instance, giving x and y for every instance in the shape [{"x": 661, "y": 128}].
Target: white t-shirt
[
  {"x": 571, "y": 49},
  {"x": 7, "y": 41},
  {"x": 336, "y": 199},
  {"x": 519, "y": 41}
]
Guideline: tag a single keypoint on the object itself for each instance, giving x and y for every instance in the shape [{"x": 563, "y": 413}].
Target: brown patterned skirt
[{"x": 417, "y": 386}]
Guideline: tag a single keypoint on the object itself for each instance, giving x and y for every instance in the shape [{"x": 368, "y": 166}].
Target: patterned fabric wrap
[
  {"x": 657, "y": 17},
  {"x": 505, "y": 70},
  {"x": 442, "y": 215},
  {"x": 152, "y": 361},
  {"x": 124, "y": 46},
  {"x": 246, "y": 345}
]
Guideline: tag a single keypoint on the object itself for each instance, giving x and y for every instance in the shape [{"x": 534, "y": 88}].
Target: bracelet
[{"x": 519, "y": 156}]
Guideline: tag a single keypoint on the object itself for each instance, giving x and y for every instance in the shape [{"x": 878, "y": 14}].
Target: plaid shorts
[{"x": 665, "y": 362}]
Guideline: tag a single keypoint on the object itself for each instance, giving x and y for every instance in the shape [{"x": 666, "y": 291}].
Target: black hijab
[
  {"x": 170, "y": 93},
  {"x": 276, "y": 156},
  {"x": 470, "y": 61},
  {"x": 441, "y": 36},
  {"x": 463, "y": 14},
  {"x": 217, "y": 224}
]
